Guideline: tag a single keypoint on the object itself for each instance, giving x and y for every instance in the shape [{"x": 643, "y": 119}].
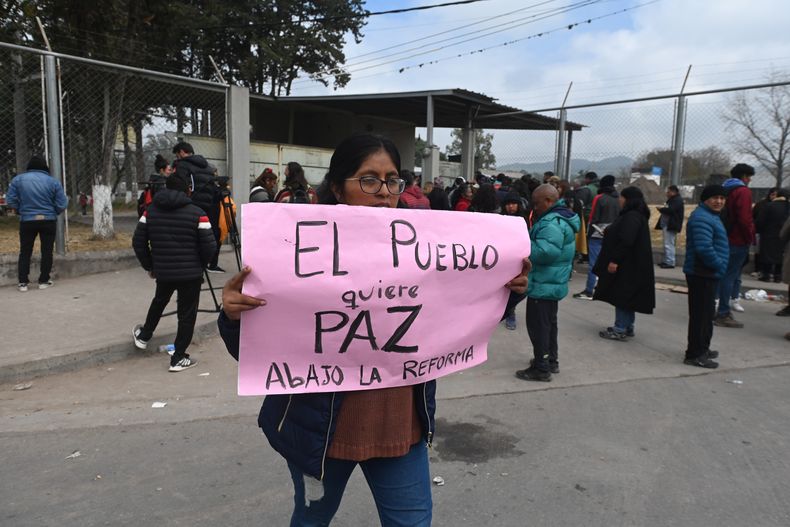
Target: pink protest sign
[{"x": 360, "y": 297}]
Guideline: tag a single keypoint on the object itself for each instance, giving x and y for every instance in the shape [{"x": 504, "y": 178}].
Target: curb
[{"x": 112, "y": 352}]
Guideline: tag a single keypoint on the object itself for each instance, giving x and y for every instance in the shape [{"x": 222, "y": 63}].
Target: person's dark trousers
[
  {"x": 28, "y": 230},
  {"x": 187, "y": 306},
  {"x": 542, "y": 330},
  {"x": 213, "y": 218},
  {"x": 702, "y": 311},
  {"x": 513, "y": 300}
]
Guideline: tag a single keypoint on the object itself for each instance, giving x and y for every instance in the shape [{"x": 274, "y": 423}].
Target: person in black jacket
[
  {"x": 200, "y": 177},
  {"x": 625, "y": 265},
  {"x": 174, "y": 243},
  {"x": 671, "y": 222},
  {"x": 769, "y": 222}
]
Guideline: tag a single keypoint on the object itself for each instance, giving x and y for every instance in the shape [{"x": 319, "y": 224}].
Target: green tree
[{"x": 484, "y": 155}]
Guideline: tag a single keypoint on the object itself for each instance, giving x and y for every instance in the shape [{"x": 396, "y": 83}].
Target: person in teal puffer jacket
[{"x": 553, "y": 238}]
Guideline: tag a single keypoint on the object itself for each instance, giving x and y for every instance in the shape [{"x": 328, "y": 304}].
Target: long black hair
[
  {"x": 634, "y": 200},
  {"x": 485, "y": 199},
  {"x": 348, "y": 157},
  {"x": 295, "y": 179}
]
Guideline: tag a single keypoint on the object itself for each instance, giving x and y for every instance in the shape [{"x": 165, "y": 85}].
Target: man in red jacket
[
  {"x": 412, "y": 197},
  {"x": 740, "y": 233}
]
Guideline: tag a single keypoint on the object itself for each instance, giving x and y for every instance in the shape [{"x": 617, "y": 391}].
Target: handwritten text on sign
[{"x": 362, "y": 297}]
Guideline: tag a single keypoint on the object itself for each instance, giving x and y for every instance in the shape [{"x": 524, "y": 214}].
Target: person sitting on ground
[
  {"x": 463, "y": 197},
  {"x": 263, "y": 187},
  {"x": 173, "y": 242},
  {"x": 707, "y": 252},
  {"x": 295, "y": 188},
  {"x": 324, "y": 436},
  {"x": 485, "y": 200},
  {"x": 553, "y": 248},
  {"x": 38, "y": 199},
  {"x": 625, "y": 266},
  {"x": 412, "y": 197},
  {"x": 605, "y": 210}
]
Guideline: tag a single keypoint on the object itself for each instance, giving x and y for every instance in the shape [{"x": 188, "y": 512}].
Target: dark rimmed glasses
[{"x": 372, "y": 184}]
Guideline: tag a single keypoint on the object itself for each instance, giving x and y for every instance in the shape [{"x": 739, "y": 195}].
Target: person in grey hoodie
[{"x": 605, "y": 209}]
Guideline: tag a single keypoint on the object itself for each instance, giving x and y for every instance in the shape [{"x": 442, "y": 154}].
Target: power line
[
  {"x": 490, "y": 31},
  {"x": 365, "y": 14}
]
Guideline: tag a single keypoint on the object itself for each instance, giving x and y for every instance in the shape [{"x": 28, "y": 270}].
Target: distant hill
[{"x": 608, "y": 165}]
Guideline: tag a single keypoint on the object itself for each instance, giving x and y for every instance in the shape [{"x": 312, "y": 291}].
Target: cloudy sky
[{"x": 643, "y": 51}]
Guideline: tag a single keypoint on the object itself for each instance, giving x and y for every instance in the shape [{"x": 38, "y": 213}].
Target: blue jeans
[
  {"x": 401, "y": 488},
  {"x": 669, "y": 246},
  {"x": 624, "y": 320},
  {"x": 738, "y": 254},
  {"x": 593, "y": 250}
]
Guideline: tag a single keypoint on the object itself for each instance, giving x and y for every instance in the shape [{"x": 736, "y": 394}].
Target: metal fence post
[
  {"x": 238, "y": 142},
  {"x": 53, "y": 133},
  {"x": 677, "y": 143},
  {"x": 559, "y": 165}
]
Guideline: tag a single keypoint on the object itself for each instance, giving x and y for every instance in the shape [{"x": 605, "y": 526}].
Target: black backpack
[{"x": 299, "y": 196}]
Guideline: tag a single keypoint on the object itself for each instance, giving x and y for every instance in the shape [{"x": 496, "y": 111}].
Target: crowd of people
[{"x": 323, "y": 437}]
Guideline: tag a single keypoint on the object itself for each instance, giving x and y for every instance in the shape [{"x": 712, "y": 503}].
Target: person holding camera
[{"x": 199, "y": 176}]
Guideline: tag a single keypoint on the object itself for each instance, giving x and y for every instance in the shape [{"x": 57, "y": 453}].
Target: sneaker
[
  {"x": 584, "y": 295},
  {"x": 727, "y": 321},
  {"x": 712, "y": 354},
  {"x": 784, "y": 312},
  {"x": 735, "y": 304},
  {"x": 215, "y": 269},
  {"x": 553, "y": 366},
  {"x": 44, "y": 285},
  {"x": 533, "y": 374},
  {"x": 510, "y": 322},
  {"x": 611, "y": 334},
  {"x": 183, "y": 364},
  {"x": 666, "y": 266},
  {"x": 702, "y": 362},
  {"x": 628, "y": 332},
  {"x": 22, "y": 288},
  {"x": 140, "y": 343}
]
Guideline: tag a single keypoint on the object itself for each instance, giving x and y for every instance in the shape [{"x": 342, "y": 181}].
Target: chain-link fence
[
  {"x": 640, "y": 139},
  {"x": 113, "y": 122}
]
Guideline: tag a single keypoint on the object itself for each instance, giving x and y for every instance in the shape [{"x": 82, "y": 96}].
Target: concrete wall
[{"x": 70, "y": 265}]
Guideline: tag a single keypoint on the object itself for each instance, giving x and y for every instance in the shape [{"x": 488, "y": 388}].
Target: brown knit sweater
[{"x": 376, "y": 423}]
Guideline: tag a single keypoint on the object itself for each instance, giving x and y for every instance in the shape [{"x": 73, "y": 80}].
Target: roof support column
[
  {"x": 468, "y": 148},
  {"x": 430, "y": 159}
]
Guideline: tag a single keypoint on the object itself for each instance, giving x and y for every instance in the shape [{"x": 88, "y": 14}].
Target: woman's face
[
  {"x": 511, "y": 208},
  {"x": 468, "y": 193},
  {"x": 380, "y": 165},
  {"x": 268, "y": 183},
  {"x": 166, "y": 171}
]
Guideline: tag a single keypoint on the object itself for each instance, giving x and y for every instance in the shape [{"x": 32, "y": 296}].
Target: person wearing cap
[
  {"x": 263, "y": 187},
  {"x": 604, "y": 211},
  {"x": 38, "y": 198},
  {"x": 707, "y": 254},
  {"x": 740, "y": 233}
]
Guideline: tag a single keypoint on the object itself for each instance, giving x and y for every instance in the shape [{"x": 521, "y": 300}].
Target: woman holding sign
[{"x": 324, "y": 436}]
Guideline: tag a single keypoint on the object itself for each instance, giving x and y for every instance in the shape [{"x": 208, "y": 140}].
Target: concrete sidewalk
[{"x": 88, "y": 320}]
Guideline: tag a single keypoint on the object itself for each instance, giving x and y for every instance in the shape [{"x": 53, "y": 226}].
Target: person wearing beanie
[
  {"x": 604, "y": 210},
  {"x": 707, "y": 255},
  {"x": 625, "y": 266},
  {"x": 740, "y": 233},
  {"x": 174, "y": 243},
  {"x": 38, "y": 199}
]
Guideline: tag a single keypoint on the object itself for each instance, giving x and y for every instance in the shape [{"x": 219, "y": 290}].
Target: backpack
[{"x": 299, "y": 196}]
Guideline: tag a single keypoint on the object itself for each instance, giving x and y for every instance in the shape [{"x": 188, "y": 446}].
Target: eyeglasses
[{"x": 372, "y": 184}]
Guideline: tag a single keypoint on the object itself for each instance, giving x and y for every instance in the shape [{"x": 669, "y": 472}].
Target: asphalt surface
[{"x": 624, "y": 435}]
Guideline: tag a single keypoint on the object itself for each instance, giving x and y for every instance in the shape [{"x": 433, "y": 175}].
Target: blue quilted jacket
[{"x": 707, "y": 248}]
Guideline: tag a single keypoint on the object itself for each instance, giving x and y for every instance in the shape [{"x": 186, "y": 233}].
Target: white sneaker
[
  {"x": 44, "y": 285},
  {"x": 22, "y": 288},
  {"x": 735, "y": 305},
  {"x": 140, "y": 343},
  {"x": 183, "y": 364}
]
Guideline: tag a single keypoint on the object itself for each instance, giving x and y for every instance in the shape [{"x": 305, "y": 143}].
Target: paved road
[{"x": 625, "y": 435}]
